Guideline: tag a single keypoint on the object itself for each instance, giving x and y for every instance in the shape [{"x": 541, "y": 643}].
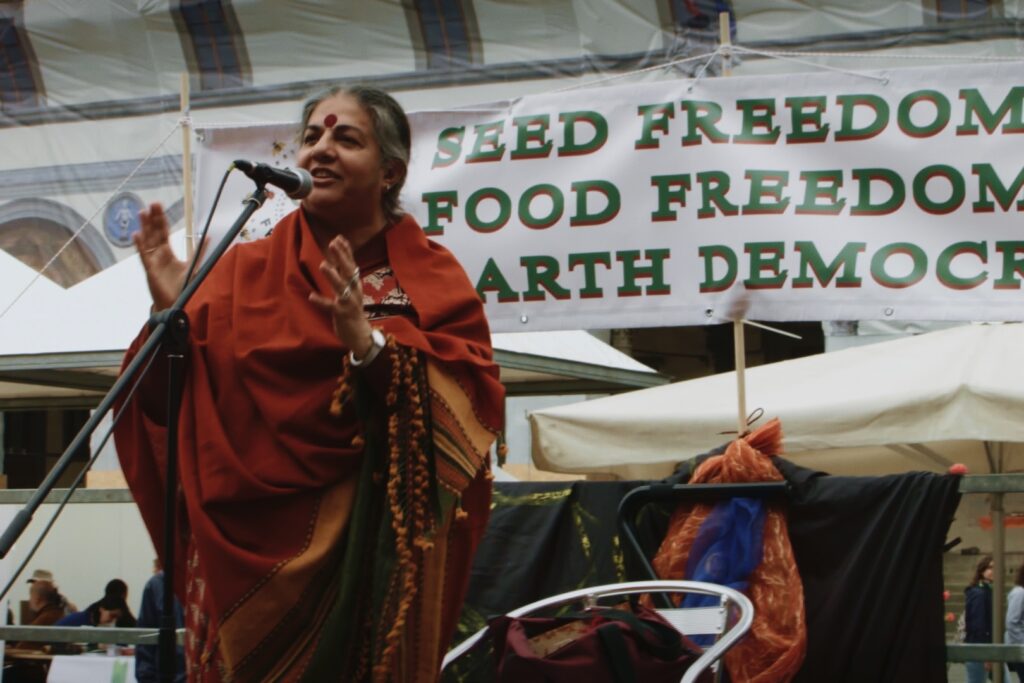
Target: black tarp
[
  {"x": 868, "y": 549},
  {"x": 869, "y": 552},
  {"x": 544, "y": 539}
]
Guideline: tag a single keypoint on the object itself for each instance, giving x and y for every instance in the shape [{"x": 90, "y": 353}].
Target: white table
[{"x": 91, "y": 668}]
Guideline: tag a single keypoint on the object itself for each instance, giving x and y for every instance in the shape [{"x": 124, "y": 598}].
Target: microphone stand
[{"x": 169, "y": 330}]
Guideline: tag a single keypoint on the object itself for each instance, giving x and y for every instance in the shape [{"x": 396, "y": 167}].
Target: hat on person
[{"x": 41, "y": 575}]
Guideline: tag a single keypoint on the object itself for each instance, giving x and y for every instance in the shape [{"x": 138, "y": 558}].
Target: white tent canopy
[
  {"x": 918, "y": 403},
  {"x": 64, "y": 346}
]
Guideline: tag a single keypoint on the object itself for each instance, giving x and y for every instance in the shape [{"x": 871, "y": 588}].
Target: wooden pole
[
  {"x": 738, "y": 341},
  {"x": 999, "y": 563},
  {"x": 740, "y": 351},
  {"x": 186, "y": 165},
  {"x": 725, "y": 42}
]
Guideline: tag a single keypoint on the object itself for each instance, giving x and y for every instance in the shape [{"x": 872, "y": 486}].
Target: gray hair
[{"x": 390, "y": 128}]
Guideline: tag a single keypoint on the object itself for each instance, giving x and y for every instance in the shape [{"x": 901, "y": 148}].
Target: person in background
[
  {"x": 46, "y": 601},
  {"x": 48, "y": 605},
  {"x": 978, "y": 616},
  {"x": 147, "y": 668},
  {"x": 41, "y": 575},
  {"x": 105, "y": 612},
  {"x": 46, "y": 576},
  {"x": 118, "y": 589},
  {"x": 1015, "y": 620}
]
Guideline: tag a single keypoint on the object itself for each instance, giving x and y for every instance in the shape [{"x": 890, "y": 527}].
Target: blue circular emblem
[{"x": 121, "y": 219}]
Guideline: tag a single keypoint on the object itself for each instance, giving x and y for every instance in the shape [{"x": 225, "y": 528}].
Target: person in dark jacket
[
  {"x": 106, "y": 612},
  {"x": 147, "y": 669},
  {"x": 978, "y": 616},
  {"x": 117, "y": 589}
]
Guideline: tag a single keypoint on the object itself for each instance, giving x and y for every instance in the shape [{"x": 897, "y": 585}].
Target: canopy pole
[
  {"x": 186, "y": 164},
  {"x": 998, "y": 563},
  {"x": 738, "y": 340},
  {"x": 740, "y": 351},
  {"x": 725, "y": 43}
]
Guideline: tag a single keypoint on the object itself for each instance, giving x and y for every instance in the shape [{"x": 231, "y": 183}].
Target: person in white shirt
[{"x": 1015, "y": 620}]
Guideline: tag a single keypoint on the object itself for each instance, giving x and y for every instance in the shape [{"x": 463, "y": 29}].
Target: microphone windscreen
[{"x": 305, "y": 184}]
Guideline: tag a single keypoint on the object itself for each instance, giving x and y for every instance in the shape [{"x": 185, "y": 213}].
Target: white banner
[{"x": 895, "y": 195}]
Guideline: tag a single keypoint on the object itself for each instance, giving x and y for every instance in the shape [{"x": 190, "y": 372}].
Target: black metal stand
[
  {"x": 175, "y": 344},
  {"x": 169, "y": 332}
]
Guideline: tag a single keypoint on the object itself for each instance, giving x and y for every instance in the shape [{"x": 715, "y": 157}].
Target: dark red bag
[{"x": 599, "y": 646}]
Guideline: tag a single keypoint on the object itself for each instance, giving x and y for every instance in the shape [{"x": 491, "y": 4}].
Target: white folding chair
[{"x": 712, "y": 620}]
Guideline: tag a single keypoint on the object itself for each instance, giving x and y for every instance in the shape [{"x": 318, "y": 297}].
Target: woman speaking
[{"x": 340, "y": 401}]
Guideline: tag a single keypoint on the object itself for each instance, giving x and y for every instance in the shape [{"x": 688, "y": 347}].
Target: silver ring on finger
[{"x": 345, "y": 293}]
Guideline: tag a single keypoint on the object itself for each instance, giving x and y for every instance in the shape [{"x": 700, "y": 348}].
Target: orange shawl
[{"x": 774, "y": 649}]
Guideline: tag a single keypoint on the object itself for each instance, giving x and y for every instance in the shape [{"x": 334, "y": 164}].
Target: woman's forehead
[{"x": 340, "y": 108}]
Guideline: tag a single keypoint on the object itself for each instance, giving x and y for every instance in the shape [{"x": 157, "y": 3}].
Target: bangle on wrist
[{"x": 377, "y": 343}]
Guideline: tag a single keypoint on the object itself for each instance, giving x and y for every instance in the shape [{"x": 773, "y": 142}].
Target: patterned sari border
[{"x": 246, "y": 628}]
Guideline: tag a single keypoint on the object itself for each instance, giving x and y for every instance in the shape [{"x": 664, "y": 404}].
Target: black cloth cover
[
  {"x": 542, "y": 539},
  {"x": 869, "y": 552}
]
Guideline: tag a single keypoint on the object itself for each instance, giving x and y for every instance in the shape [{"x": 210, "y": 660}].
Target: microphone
[{"x": 296, "y": 184}]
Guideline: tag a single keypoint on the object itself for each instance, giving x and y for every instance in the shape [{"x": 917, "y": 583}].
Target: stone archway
[{"x": 33, "y": 230}]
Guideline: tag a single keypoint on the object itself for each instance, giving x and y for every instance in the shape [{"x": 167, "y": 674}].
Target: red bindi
[{"x": 330, "y": 121}]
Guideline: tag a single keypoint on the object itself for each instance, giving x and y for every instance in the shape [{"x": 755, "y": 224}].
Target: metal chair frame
[{"x": 731, "y": 600}]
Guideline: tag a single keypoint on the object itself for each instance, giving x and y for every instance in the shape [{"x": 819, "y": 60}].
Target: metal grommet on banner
[{"x": 524, "y": 319}]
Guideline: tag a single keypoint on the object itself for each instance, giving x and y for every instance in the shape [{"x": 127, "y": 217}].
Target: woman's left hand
[{"x": 346, "y": 306}]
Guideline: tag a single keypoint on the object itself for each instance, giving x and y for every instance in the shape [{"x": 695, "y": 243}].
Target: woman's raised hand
[
  {"x": 165, "y": 272},
  {"x": 346, "y": 306}
]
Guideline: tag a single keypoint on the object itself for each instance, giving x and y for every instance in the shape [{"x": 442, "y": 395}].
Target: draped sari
[{"x": 326, "y": 526}]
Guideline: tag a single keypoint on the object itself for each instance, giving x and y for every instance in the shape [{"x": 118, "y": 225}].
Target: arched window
[
  {"x": 20, "y": 82},
  {"x": 959, "y": 10},
  {"x": 445, "y": 33},
  {"x": 33, "y": 230},
  {"x": 213, "y": 43}
]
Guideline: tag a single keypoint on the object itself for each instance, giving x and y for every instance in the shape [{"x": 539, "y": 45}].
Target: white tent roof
[
  {"x": 66, "y": 344},
  {"x": 922, "y": 402},
  {"x": 101, "y": 313}
]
